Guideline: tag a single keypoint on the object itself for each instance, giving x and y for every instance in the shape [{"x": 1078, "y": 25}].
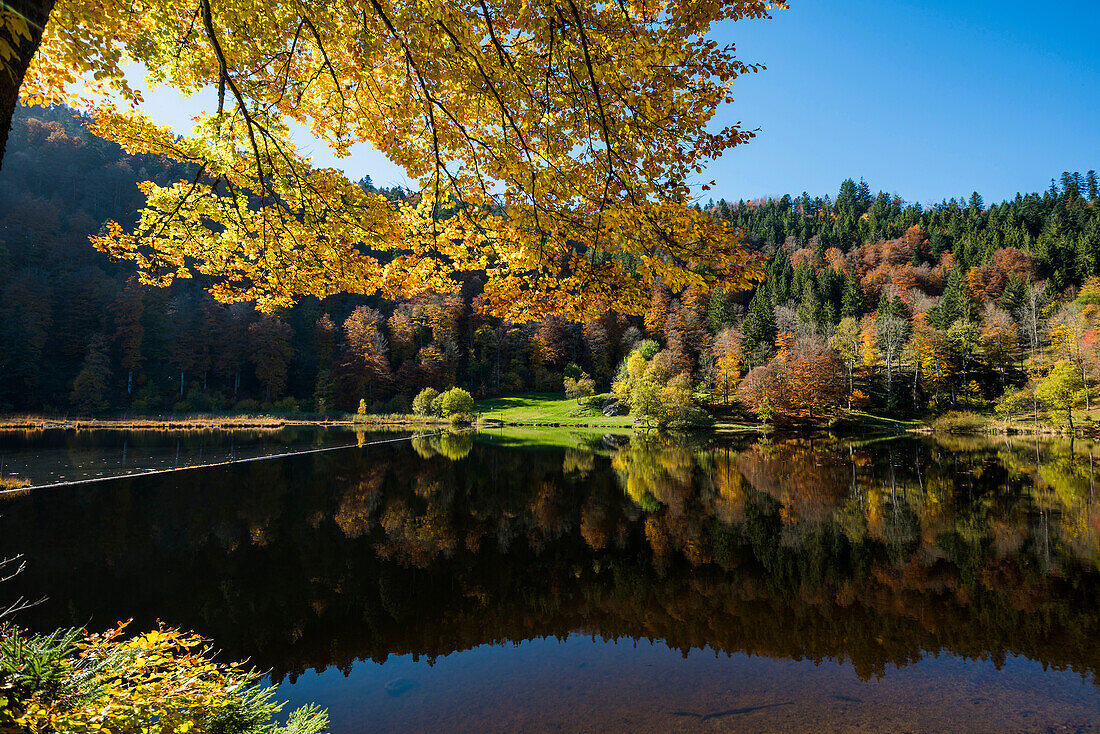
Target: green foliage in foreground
[{"x": 153, "y": 683}]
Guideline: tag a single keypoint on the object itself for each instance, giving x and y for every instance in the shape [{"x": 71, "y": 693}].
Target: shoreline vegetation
[
  {"x": 873, "y": 315},
  {"x": 549, "y": 411}
]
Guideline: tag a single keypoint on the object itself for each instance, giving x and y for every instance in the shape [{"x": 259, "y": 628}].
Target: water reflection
[
  {"x": 876, "y": 554},
  {"x": 46, "y": 456}
]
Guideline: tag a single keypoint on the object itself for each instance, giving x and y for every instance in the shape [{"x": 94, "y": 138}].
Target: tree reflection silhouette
[{"x": 873, "y": 553}]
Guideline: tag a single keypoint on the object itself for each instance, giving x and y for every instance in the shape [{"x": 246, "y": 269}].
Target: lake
[{"x": 557, "y": 581}]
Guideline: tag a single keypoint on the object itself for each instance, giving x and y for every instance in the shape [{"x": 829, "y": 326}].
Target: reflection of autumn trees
[{"x": 874, "y": 553}]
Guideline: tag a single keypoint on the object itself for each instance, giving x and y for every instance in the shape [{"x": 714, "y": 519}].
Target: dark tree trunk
[{"x": 35, "y": 12}]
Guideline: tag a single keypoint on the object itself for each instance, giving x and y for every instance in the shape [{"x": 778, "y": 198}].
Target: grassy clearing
[{"x": 547, "y": 409}]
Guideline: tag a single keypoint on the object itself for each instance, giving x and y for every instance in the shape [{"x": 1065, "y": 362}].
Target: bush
[
  {"x": 955, "y": 421},
  {"x": 247, "y": 406},
  {"x": 422, "y": 403},
  {"x": 146, "y": 399},
  {"x": 579, "y": 387},
  {"x": 76, "y": 682},
  {"x": 398, "y": 404},
  {"x": 436, "y": 408},
  {"x": 456, "y": 401},
  {"x": 286, "y": 405}
]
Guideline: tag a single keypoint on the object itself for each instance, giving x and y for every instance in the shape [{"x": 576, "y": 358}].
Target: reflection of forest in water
[
  {"x": 877, "y": 553},
  {"x": 40, "y": 456}
]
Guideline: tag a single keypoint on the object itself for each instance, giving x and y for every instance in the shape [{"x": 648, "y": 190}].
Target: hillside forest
[{"x": 870, "y": 303}]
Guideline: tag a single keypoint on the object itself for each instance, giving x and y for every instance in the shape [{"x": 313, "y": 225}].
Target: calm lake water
[{"x": 558, "y": 582}]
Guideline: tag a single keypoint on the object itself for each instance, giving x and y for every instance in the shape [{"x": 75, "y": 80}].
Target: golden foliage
[{"x": 551, "y": 144}]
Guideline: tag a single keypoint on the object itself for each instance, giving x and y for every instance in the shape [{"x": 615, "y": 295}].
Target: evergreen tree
[
  {"x": 90, "y": 386},
  {"x": 1070, "y": 189},
  {"x": 759, "y": 329},
  {"x": 718, "y": 310},
  {"x": 1013, "y": 296},
  {"x": 1091, "y": 186},
  {"x": 852, "y": 300},
  {"x": 809, "y": 310},
  {"x": 324, "y": 392},
  {"x": 956, "y": 302}
]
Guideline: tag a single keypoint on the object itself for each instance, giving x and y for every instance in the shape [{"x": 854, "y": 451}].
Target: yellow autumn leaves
[{"x": 553, "y": 144}]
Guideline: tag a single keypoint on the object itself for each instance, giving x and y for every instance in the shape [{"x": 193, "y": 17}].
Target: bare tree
[
  {"x": 1030, "y": 314},
  {"x": 891, "y": 332}
]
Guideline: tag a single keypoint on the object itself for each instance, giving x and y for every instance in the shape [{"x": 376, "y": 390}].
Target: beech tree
[
  {"x": 1062, "y": 390},
  {"x": 845, "y": 342},
  {"x": 551, "y": 142}
]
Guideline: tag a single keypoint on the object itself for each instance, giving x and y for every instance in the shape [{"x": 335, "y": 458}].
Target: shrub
[
  {"x": 422, "y": 403},
  {"x": 399, "y": 403},
  {"x": 286, "y": 405},
  {"x": 456, "y": 401},
  {"x": 75, "y": 682},
  {"x": 579, "y": 387},
  {"x": 860, "y": 400},
  {"x": 436, "y": 408},
  {"x": 362, "y": 407},
  {"x": 955, "y": 421},
  {"x": 247, "y": 406}
]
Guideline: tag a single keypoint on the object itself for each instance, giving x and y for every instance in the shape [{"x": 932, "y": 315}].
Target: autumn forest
[{"x": 870, "y": 303}]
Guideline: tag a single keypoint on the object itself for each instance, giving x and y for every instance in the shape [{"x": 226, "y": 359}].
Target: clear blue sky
[{"x": 929, "y": 100}]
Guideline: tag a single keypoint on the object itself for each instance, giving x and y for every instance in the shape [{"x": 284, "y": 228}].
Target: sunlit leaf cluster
[{"x": 552, "y": 143}]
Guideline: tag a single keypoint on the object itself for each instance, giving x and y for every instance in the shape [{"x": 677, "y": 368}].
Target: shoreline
[{"x": 861, "y": 423}]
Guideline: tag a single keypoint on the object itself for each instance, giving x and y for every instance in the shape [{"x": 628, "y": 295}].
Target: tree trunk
[
  {"x": 1085, "y": 382},
  {"x": 851, "y": 385},
  {"x": 35, "y": 12}
]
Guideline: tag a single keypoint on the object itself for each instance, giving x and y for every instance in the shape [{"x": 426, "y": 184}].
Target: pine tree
[
  {"x": 1091, "y": 186},
  {"x": 759, "y": 328},
  {"x": 90, "y": 386},
  {"x": 852, "y": 300},
  {"x": 1013, "y": 296},
  {"x": 809, "y": 310},
  {"x": 1070, "y": 190},
  {"x": 956, "y": 302},
  {"x": 718, "y": 310}
]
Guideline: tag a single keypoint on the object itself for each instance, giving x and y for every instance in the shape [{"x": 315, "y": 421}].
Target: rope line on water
[{"x": 229, "y": 462}]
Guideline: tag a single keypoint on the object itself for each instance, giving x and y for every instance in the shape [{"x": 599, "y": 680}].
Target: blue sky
[{"x": 927, "y": 100}]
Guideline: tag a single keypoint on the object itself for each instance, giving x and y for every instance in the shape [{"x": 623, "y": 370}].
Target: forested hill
[
  {"x": 79, "y": 334},
  {"x": 1060, "y": 227}
]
